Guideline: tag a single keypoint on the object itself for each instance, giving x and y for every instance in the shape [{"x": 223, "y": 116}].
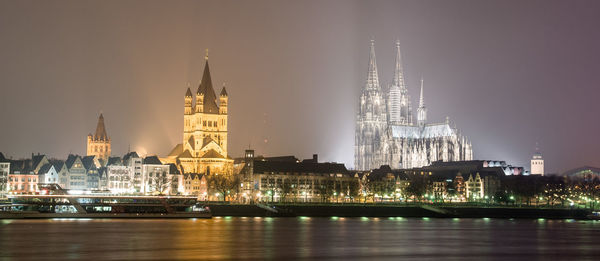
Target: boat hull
[{"x": 104, "y": 215}]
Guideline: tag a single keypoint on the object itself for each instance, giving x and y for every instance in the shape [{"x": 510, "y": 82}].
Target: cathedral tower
[
  {"x": 398, "y": 99},
  {"x": 371, "y": 124},
  {"x": 99, "y": 144},
  {"x": 422, "y": 110}
]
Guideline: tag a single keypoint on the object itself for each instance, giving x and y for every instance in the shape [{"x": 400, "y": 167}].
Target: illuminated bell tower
[
  {"x": 204, "y": 147},
  {"x": 537, "y": 163},
  {"x": 99, "y": 144}
]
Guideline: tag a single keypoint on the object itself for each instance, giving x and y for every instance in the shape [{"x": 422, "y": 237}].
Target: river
[{"x": 249, "y": 238}]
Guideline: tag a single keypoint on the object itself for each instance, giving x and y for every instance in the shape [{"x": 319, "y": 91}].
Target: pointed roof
[
  {"x": 223, "y": 91},
  {"x": 212, "y": 154},
  {"x": 206, "y": 88},
  {"x": 185, "y": 154},
  {"x": 177, "y": 150},
  {"x": 398, "y": 79},
  {"x": 188, "y": 93},
  {"x": 152, "y": 160},
  {"x": 130, "y": 155},
  {"x": 45, "y": 168},
  {"x": 58, "y": 164},
  {"x": 89, "y": 162},
  {"x": 372, "y": 76},
  {"x": 100, "y": 129}
]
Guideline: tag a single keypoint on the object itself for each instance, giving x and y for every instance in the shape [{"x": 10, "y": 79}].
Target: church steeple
[
  {"x": 398, "y": 79},
  {"x": 422, "y": 110},
  {"x": 206, "y": 90},
  {"x": 100, "y": 129},
  {"x": 372, "y": 76}
]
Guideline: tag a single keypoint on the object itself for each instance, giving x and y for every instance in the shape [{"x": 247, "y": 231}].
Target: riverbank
[{"x": 377, "y": 210}]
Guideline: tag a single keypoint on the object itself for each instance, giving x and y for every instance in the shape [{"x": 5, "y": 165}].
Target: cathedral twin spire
[{"x": 399, "y": 108}]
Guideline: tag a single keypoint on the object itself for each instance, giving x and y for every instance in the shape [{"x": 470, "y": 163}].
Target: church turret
[
  {"x": 223, "y": 98},
  {"x": 199, "y": 100},
  {"x": 188, "y": 101},
  {"x": 422, "y": 110}
]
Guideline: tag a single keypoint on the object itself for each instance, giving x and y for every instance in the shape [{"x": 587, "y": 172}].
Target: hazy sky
[{"x": 507, "y": 73}]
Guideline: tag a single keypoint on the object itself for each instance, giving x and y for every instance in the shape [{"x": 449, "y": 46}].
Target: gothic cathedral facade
[{"x": 386, "y": 133}]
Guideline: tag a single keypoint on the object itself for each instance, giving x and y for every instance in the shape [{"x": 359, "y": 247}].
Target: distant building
[
  {"x": 386, "y": 133},
  {"x": 4, "y": 171},
  {"x": 99, "y": 144},
  {"x": 23, "y": 183},
  {"x": 196, "y": 185},
  {"x": 537, "y": 164},
  {"x": 76, "y": 172},
  {"x": 291, "y": 180},
  {"x": 120, "y": 178},
  {"x": 156, "y": 178},
  {"x": 134, "y": 161},
  {"x": 204, "y": 147},
  {"x": 585, "y": 172}
]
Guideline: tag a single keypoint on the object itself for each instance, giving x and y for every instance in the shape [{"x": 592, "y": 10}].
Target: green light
[
  {"x": 334, "y": 218},
  {"x": 456, "y": 219},
  {"x": 426, "y": 218},
  {"x": 364, "y": 218}
]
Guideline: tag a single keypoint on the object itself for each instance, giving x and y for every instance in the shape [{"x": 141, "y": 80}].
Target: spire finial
[{"x": 206, "y": 57}]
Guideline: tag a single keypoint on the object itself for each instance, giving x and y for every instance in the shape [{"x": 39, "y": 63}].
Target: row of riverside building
[
  {"x": 203, "y": 155},
  {"x": 275, "y": 179}
]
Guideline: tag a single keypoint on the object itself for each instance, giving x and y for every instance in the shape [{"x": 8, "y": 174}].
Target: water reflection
[{"x": 299, "y": 238}]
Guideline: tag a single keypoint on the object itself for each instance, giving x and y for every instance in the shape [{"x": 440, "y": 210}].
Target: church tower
[
  {"x": 99, "y": 144},
  {"x": 204, "y": 147},
  {"x": 398, "y": 99},
  {"x": 537, "y": 163},
  {"x": 422, "y": 110},
  {"x": 371, "y": 123}
]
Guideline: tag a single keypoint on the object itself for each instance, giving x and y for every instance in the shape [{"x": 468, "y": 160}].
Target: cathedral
[
  {"x": 386, "y": 133},
  {"x": 204, "y": 146}
]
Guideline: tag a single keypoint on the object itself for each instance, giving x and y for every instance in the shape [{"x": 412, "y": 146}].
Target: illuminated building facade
[
  {"x": 386, "y": 133},
  {"x": 537, "y": 163},
  {"x": 204, "y": 147},
  {"x": 99, "y": 144}
]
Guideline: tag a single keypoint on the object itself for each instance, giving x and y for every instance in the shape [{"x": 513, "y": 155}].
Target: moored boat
[{"x": 102, "y": 206}]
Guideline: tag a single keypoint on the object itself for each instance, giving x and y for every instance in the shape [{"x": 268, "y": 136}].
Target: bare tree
[{"x": 224, "y": 184}]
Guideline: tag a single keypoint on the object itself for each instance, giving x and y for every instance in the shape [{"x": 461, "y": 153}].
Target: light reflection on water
[{"x": 299, "y": 238}]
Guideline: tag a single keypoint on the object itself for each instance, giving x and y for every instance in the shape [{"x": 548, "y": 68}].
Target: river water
[{"x": 305, "y": 238}]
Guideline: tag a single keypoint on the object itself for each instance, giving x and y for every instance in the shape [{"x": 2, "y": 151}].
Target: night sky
[{"x": 507, "y": 73}]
